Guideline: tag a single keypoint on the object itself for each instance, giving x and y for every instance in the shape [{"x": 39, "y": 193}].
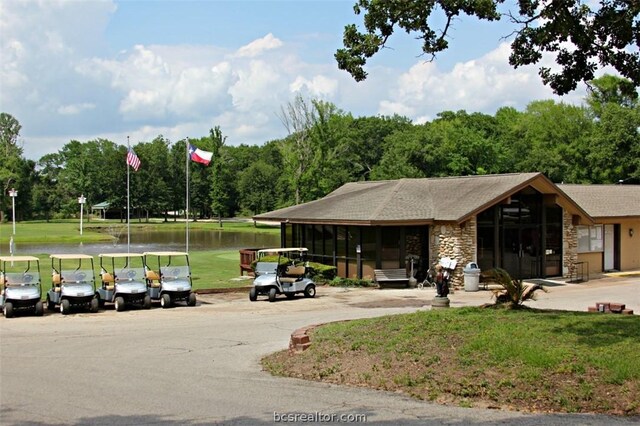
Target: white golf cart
[
  {"x": 73, "y": 283},
  {"x": 123, "y": 280},
  {"x": 20, "y": 287},
  {"x": 284, "y": 276},
  {"x": 171, "y": 281}
]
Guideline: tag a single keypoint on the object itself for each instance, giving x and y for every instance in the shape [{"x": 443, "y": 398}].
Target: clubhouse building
[{"x": 521, "y": 222}]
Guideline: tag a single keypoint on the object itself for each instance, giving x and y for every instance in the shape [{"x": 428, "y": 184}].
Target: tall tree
[
  {"x": 11, "y": 163},
  {"x": 223, "y": 177},
  {"x": 614, "y": 150},
  {"x": 298, "y": 117},
  {"x": 582, "y": 35}
]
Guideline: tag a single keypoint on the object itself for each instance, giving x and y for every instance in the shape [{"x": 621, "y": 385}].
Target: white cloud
[
  {"x": 319, "y": 86},
  {"x": 61, "y": 81},
  {"x": 75, "y": 108},
  {"x": 480, "y": 85},
  {"x": 257, "y": 47}
]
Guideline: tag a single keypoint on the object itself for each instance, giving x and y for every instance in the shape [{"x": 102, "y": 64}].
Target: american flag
[{"x": 133, "y": 160}]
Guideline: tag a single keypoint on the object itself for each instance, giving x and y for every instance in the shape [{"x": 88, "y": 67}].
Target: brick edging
[{"x": 300, "y": 340}]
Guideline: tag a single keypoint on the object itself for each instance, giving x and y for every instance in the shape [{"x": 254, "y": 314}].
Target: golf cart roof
[
  {"x": 70, "y": 256},
  {"x": 283, "y": 250},
  {"x": 120, "y": 255},
  {"x": 19, "y": 259},
  {"x": 165, "y": 253}
]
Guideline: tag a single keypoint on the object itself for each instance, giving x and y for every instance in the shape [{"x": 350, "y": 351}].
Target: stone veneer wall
[
  {"x": 569, "y": 245},
  {"x": 456, "y": 242}
]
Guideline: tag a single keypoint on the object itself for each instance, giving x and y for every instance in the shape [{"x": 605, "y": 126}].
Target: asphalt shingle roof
[
  {"x": 408, "y": 200},
  {"x": 606, "y": 200}
]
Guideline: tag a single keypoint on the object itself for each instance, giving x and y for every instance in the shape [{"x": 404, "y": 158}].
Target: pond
[{"x": 141, "y": 241}]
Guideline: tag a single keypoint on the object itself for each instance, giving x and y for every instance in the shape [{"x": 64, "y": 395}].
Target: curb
[{"x": 300, "y": 340}]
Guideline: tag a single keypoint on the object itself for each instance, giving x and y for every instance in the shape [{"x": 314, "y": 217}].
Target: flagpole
[
  {"x": 187, "y": 195},
  {"x": 128, "y": 225}
]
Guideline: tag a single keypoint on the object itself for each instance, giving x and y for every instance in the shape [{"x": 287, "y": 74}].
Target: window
[{"x": 589, "y": 239}]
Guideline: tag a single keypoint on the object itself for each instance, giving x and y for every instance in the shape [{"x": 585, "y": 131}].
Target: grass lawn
[
  {"x": 528, "y": 360},
  {"x": 210, "y": 269}
]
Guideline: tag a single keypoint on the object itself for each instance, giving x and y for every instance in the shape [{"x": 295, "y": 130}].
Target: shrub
[
  {"x": 513, "y": 292},
  {"x": 351, "y": 282}
]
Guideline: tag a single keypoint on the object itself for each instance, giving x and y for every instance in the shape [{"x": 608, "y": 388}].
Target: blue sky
[{"x": 86, "y": 69}]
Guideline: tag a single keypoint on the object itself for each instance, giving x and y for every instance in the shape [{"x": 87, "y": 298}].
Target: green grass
[
  {"x": 210, "y": 269},
  {"x": 524, "y": 359}
]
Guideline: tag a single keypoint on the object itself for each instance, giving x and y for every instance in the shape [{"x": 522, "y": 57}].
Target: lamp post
[
  {"x": 13, "y": 193},
  {"x": 81, "y": 200}
]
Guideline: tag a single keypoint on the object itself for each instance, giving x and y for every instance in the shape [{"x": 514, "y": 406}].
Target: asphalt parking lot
[{"x": 200, "y": 365}]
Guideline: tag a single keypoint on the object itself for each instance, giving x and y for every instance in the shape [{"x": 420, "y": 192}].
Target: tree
[
  {"x": 11, "y": 158},
  {"x": 258, "y": 185},
  {"x": 222, "y": 179},
  {"x": 611, "y": 89},
  {"x": 580, "y": 35},
  {"x": 298, "y": 118}
]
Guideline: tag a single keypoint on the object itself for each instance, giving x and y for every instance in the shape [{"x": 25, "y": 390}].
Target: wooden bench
[{"x": 391, "y": 278}]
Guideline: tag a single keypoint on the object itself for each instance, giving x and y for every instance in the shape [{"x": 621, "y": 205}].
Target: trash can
[{"x": 471, "y": 277}]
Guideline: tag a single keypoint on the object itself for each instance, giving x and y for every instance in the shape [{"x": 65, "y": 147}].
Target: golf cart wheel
[
  {"x": 65, "y": 306},
  {"x": 310, "y": 291},
  {"x": 253, "y": 294},
  {"x": 94, "y": 305},
  {"x": 272, "y": 294},
  {"x": 146, "y": 303},
  {"x": 191, "y": 301},
  {"x": 39, "y": 308},
  {"x": 8, "y": 310},
  {"x": 119, "y": 303},
  {"x": 50, "y": 305},
  {"x": 290, "y": 295},
  {"x": 165, "y": 301}
]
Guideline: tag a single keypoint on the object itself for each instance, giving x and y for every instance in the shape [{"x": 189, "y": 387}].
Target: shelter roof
[
  {"x": 419, "y": 201},
  {"x": 602, "y": 201}
]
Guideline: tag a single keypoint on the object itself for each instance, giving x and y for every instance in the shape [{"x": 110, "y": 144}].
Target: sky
[{"x": 88, "y": 69}]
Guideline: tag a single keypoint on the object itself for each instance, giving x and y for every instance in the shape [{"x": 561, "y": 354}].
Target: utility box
[{"x": 471, "y": 277}]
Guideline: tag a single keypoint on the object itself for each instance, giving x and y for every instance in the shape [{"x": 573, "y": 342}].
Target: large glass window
[{"x": 590, "y": 239}]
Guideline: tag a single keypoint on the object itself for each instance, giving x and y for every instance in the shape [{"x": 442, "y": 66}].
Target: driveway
[{"x": 201, "y": 365}]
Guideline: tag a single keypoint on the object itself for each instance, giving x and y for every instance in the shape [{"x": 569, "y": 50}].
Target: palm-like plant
[{"x": 513, "y": 292}]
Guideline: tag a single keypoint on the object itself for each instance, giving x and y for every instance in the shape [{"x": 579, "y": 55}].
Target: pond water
[{"x": 199, "y": 240}]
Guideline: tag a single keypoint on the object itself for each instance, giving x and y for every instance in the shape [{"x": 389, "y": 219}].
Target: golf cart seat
[
  {"x": 56, "y": 279},
  {"x": 153, "y": 278},
  {"x": 293, "y": 274},
  {"x": 3, "y": 282},
  {"x": 108, "y": 281}
]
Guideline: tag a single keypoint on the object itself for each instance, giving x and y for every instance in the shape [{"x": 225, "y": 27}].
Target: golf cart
[
  {"x": 73, "y": 283},
  {"x": 285, "y": 276},
  {"x": 20, "y": 287},
  {"x": 123, "y": 280},
  {"x": 171, "y": 281}
]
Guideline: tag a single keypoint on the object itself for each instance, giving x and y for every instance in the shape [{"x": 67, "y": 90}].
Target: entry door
[
  {"x": 609, "y": 248},
  {"x": 521, "y": 254}
]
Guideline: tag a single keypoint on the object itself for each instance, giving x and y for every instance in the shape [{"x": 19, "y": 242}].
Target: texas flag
[{"x": 200, "y": 156}]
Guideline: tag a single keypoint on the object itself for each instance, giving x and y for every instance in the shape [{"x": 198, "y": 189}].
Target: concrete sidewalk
[{"x": 621, "y": 288}]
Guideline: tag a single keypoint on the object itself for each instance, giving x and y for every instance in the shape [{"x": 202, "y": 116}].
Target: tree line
[{"x": 597, "y": 142}]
